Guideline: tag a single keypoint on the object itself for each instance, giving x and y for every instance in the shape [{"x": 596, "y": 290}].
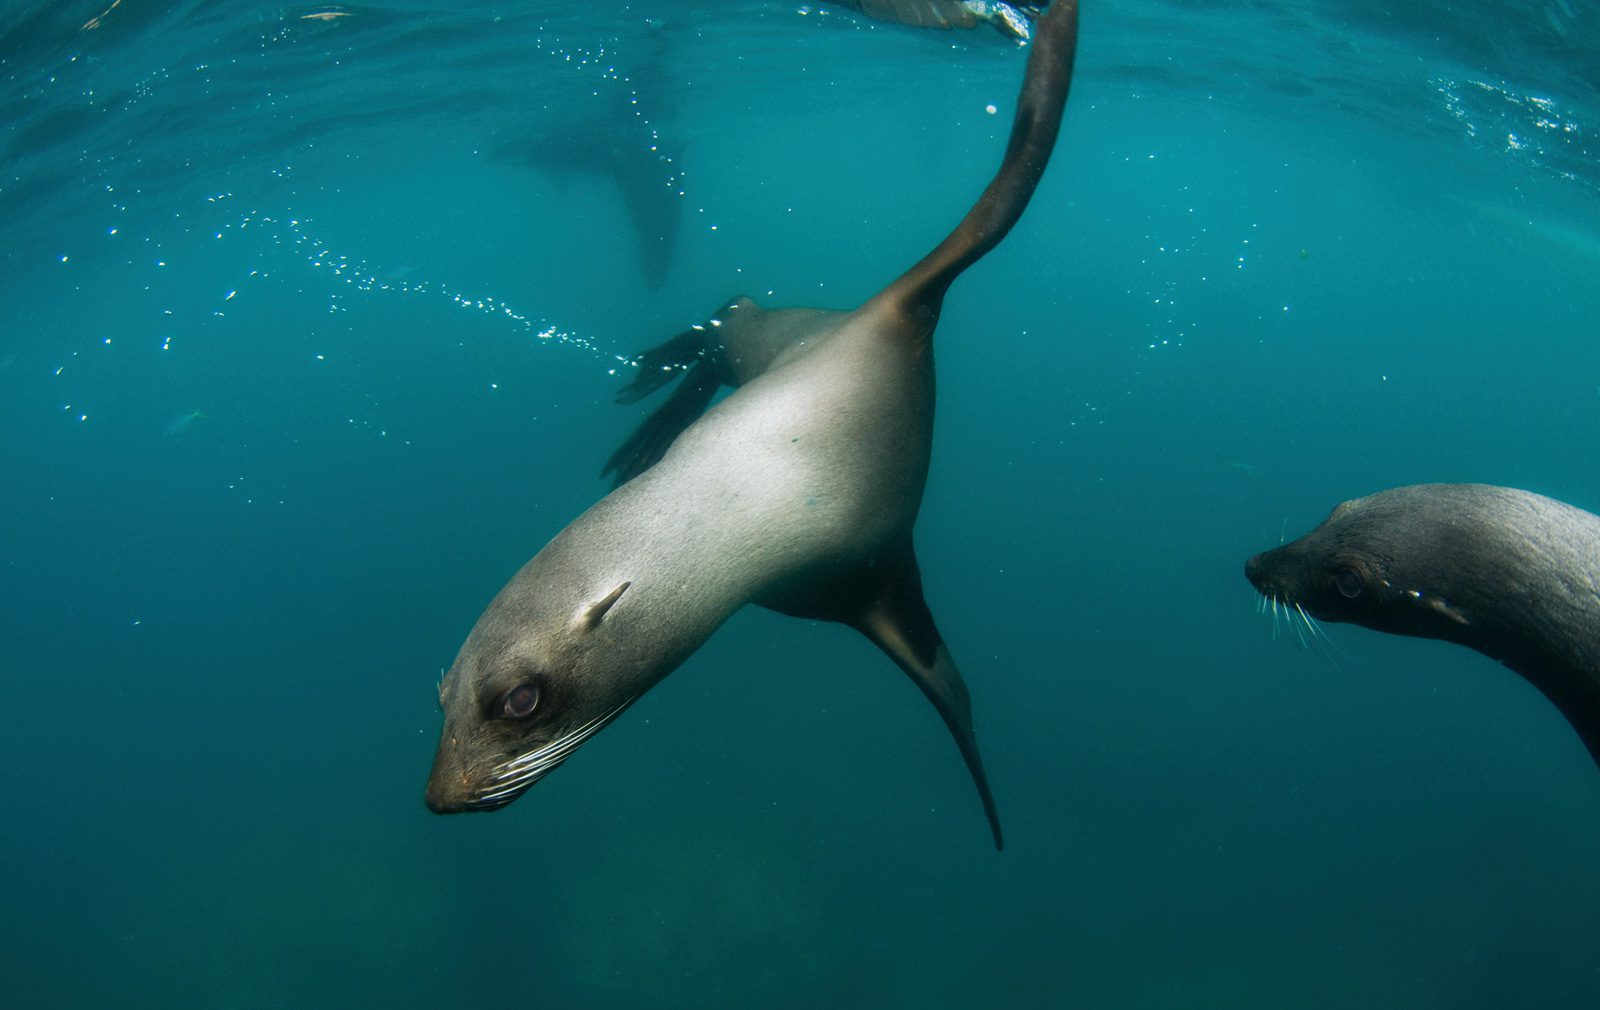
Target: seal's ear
[{"x": 591, "y": 616}]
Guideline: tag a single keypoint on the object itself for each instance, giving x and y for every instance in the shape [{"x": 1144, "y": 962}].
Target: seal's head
[
  {"x": 1404, "y": 561},
  {"x": 1512, "y": 574},
  {"x": 528, "y": 688}
]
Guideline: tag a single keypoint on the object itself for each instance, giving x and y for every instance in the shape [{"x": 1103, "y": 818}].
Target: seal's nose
[
  {"x": 448, "y": 792},
  {"x": 1253, "y": 571},
  {"x": 438, "y": 801}
]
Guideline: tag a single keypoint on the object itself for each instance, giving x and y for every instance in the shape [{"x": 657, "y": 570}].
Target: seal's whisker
[
  {"x": 1320, "y": 637},
  {"x": 1299, "y": 633},
  {"x": 511, "y": 778},
  {"x": 540, "y": 753},
  {"x": 540, "y": 760},
  {"x": 1309, "y": 633},
  {"x": 561, "y": 746},
  {"x": 516, "y": 787},
  {"x": 508, "y": 790},
  {"x": 1311, "y": 625},
  {"x": 528, "y": 774},
  {"x": 522, "y": 772}
]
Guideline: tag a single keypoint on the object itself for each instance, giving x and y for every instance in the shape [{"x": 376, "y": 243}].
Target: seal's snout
[
  {"x": 448, "y": 790},
  {"x": 439, "y": 801},
  {"x": 1254, "y": 570}
]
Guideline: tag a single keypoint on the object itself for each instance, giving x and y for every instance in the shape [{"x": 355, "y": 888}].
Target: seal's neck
[{"x": 1552, "y": 640}]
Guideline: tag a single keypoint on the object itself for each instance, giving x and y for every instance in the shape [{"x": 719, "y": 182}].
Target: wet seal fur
[
  {"x": 797, "y": 492},
  {"x": 1512, "y": 574}
]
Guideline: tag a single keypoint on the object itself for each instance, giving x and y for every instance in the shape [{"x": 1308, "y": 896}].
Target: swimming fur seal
[
  {"x": 1013, "y": 19},
  {"x": 1512, "y": 574},
  {"x": 797, "y": 492}
]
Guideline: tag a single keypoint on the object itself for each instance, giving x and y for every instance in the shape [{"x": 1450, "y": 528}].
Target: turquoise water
[{"x": 311, "y": 330}]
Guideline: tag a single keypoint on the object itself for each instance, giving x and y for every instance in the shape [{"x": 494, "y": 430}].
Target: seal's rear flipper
[
  {"x": 693, "y": 354},
  {"x": 900, "y": 624},
  {"x": 919, "y": 293}
]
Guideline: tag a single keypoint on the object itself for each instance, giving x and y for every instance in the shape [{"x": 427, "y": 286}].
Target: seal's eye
[
  {"x": 519, "y": 702},
  {"x": 1349, "y": 583}
]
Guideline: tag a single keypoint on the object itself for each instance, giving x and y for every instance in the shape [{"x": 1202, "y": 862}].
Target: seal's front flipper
[
  {"x": 665, "y": 362},
  {"x": 900, "y": 623},
  {"x": 650, "y": 441},
  {"x": 697, "y": 356}
]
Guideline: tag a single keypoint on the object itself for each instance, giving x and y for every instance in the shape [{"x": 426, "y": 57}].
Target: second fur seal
[
  {"x": 797, "y": 492},
  {"x": 1512, "y": 574}
]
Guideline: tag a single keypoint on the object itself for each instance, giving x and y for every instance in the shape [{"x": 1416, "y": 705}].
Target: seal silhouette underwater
[
  {"x": 798, "y": 492},
  {"x": 1512, "y": 574},
  {"x": 1012, "y": 19}
]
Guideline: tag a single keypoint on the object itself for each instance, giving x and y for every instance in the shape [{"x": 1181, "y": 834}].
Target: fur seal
[
  {"x": 797, "y": 492},
  {"x": 1012, "y": 19},
  {"x": 1512, "y": 574}
]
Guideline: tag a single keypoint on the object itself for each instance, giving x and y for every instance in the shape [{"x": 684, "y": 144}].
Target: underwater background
[{"x": 312, "y": 320}]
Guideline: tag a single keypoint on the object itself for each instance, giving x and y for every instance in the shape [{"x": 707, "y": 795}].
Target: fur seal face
[
  {"x": 1398, "y": 561},
  {"x": 1512, "y": 574},
  {"x": 517, "y": 704}
]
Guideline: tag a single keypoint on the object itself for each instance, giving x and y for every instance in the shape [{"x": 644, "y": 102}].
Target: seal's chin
[{"x": 510, "y": 778}]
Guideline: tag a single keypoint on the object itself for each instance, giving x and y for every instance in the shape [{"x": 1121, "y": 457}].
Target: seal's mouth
[{"x": 515, "y": 776}]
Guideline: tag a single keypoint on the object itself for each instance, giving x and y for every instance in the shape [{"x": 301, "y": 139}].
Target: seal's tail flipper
[
  {"x": 900, "y": 624},
  {"x": 1033, "y": 135},
  {"x": 692, "y": 354}
]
